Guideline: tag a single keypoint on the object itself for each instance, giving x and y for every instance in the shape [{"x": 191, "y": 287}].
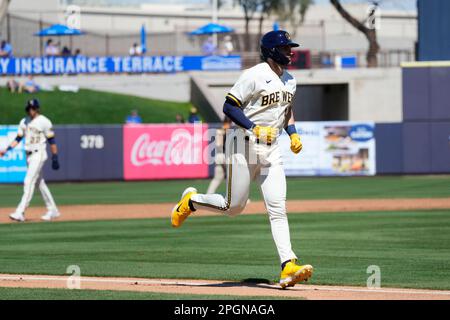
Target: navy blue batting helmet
[
  {"x": 32, "y": 104},
  {"x": 270, "y": 44}
]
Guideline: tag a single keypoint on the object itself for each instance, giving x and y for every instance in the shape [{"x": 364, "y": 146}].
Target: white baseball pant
[
  {"x": 247, "y": 161},
  {"x": 34, "y": 178}
]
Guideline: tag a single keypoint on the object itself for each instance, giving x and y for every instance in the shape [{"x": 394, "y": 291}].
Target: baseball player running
[
  {"x": 37, "y": 130},
  {"x": 260, "y": 103}
]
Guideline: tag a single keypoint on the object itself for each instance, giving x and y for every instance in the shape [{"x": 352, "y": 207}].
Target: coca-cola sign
[{"x": 164, "y": 151}]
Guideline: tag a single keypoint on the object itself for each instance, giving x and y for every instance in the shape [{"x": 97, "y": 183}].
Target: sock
[{"x": 284, "y": 263}]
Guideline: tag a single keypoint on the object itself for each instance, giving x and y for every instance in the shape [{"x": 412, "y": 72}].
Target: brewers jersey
[
  {"x": 264, "y": 96},
  {"x": 36, "y": 132}
]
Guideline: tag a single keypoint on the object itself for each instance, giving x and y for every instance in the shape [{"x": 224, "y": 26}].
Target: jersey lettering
[{"x": 274, "y": 97}]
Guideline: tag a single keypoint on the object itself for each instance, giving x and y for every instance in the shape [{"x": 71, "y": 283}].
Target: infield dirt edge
[
  {"x": 215, "y": 287},
  {"x": 163, "y": 210}
]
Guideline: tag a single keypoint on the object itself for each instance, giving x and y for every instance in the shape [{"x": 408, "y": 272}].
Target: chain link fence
[{"x": 20, "y": 32}]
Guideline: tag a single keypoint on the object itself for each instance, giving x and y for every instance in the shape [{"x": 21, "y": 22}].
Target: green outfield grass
[
  {"x": 89, "y": 107},
  {"x": 412, "y": 249},
  {"x": 66, "y": 294},
  {"x": 298, "y": 188}
]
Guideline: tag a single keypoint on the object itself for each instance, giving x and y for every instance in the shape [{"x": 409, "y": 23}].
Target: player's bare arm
[{"x": 11, "y": 146}]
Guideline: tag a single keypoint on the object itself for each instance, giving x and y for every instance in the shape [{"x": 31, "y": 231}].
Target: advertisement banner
[
  {"x": 13, "y": 165},
  {"x": 308, "y": 161},
  {"x": 141, "y": 64},
  {"x": 166, "y": 151},
  {"x": 332, "y": 148}
]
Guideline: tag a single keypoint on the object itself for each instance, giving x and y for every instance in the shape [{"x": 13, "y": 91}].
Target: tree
[
  {"x": 3, "y": 9},
  {"x": 369, "y": 32},
  {"x": 286, "y": 10},
  {"x": 249, "y": 7},
  {"x": 303, "y": 8},
  {"x": 266, "y": 8},
  {"x": 220, "y": 3},
  {"x": 293, "y": 11}
]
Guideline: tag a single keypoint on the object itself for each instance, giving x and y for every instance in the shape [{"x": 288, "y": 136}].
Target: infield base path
[{"x": 209, "y": 287}]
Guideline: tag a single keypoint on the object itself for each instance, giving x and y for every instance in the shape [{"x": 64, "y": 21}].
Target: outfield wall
[
  {"x": 173, "y": 151},
  {"x": 88, "y": 153},
  {"x": 426, "y": 117}
]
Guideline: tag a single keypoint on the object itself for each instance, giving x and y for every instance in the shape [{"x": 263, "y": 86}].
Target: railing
[
  {"x": 20, "y": 30},
  {"x": 325, "y": 59}
]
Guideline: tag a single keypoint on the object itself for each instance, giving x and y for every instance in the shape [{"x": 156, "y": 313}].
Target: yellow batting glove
[
  {"x": 265, "y": 134},
  {"x": 296, "y": 143}
]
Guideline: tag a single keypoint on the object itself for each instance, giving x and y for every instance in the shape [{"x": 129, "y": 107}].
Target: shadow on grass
[{"x": 250, "y": 282}]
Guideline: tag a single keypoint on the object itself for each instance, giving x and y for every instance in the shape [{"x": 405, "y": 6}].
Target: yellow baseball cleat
[
  {"x": 293, "y": 273},
  {"x": 182, "y": 209}
]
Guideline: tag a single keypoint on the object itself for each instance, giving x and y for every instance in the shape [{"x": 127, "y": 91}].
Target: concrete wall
[{"x": 374, "y": 94}]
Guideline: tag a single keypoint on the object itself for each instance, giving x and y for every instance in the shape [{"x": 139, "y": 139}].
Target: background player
[
  {"x": 220, "y": 167},
  {"x": 37, "y": 130},
  {"x": 260, "y": 104}
]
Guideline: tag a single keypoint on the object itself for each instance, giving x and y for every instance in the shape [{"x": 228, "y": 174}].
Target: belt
[
  {"x": 247, "y": 138},
  {"x": 29, "y": 153}
]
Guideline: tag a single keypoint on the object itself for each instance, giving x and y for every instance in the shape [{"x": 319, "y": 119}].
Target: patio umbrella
[
  {"x": 211, "y": 28},
  {"x": 58, "y": 30}
]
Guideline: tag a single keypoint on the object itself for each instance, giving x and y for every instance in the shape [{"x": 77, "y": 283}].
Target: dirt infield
[
  {"x": 140, "y": 211},
  {"x": 208, "y": 287}
]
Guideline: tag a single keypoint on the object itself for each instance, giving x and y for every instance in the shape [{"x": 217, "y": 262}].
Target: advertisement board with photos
[{"x": 337, "y": 148}]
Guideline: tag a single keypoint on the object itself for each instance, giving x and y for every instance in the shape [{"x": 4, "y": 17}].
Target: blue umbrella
[
  {"x": 211, "y": 28},
  {"x": 143, "y": 39},
  {"x": 58, "y": 30}
]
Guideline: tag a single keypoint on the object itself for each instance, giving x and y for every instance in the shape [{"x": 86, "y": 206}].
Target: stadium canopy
[
  {"x": 211, "y": 28},
  {"x": 58, "y": 30}
]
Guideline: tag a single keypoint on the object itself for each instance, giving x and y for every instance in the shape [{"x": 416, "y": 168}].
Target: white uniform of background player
[
  {"x": 36, "y": 132},
  {"x": 260, "y": 102},
  {"x": 219, "y": 158}
]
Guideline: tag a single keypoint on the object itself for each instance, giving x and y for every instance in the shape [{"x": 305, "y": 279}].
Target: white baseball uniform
[
  {"x": 266, "y": 100},
  {"x": 36, "y": 132}
]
